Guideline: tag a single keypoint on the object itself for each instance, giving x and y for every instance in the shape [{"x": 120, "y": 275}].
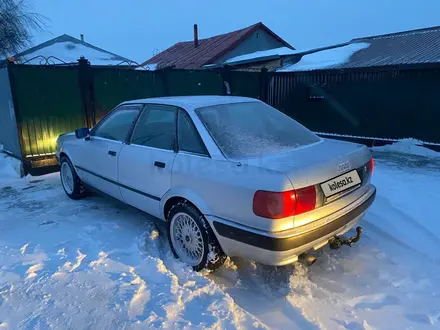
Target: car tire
[
  {"x": 72, "y": 184},
  {"x": 192, "y": 239}
]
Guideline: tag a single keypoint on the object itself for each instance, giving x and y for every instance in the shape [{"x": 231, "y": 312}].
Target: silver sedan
[{"x": 230, "y": 176}]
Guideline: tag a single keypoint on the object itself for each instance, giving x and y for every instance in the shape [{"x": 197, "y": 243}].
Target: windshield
[{"x": 253, "y": 129}]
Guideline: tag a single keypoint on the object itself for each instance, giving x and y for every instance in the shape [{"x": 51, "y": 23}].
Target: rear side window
[
  {"x": 156, "y": 127},
  {"x": 189, "y": 138},
  {"x": 117, "y": 125},
  {"x": 252, "y": 129}
]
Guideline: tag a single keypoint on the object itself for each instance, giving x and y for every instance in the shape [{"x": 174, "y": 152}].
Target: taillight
[
  {"x": 305, "y": 200},
  {"x": 277, "y": 205},
  {"x": 371, "y": 165},
  {"x": 274, "y": 205}
]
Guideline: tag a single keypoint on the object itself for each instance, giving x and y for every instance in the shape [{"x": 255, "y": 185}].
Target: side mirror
[{"x": 82, "y": 133}]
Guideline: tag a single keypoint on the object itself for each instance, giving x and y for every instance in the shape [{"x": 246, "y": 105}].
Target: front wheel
[
  {"x": 71, "y": 182},
  {"x": 192, "y": 239}
]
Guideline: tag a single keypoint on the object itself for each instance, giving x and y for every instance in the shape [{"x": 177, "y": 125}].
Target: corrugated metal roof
[
  {"x": 184, "y": 55},
  {"x": 410, "y": 47}
]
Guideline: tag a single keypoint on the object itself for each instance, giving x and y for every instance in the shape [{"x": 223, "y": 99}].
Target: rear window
[{"x": 253, "y": 129}]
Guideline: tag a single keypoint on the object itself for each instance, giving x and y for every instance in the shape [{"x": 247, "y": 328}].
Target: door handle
[
  {"x": 112, "y": 153},
  {"x": 159, "y": 164}
]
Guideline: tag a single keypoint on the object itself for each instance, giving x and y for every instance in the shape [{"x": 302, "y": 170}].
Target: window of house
[
  {"x": 117, "y": 125},
  {"x": 189, "y": 138},
  {"x": 156, "y": 127}
]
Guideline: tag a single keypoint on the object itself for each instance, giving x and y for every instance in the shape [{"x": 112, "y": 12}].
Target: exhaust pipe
[{"x": 307, "y": 259}]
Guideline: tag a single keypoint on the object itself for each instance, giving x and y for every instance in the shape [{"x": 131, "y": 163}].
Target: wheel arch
[
  {"x": 183, "y": 195},
  {"x": 65, "y": 153}
]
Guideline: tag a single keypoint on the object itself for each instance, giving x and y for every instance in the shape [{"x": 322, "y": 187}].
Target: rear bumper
[{"x": 282, "y": 248}]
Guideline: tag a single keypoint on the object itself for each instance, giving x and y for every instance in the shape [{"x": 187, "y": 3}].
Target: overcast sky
[{"x": 137, "y": 28}]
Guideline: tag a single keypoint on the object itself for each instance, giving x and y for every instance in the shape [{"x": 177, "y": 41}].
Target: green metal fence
[
  {"x": 184, "y": 82},
  {"x": 244, "y": 83},
  {"x": 47, "y": 102},
  {"x": 113, "y": 86},
  {"x": 387, "y": 104},
  {"x": 51, "y": 100}
]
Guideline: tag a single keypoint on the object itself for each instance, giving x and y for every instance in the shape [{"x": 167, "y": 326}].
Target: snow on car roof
[{"x": 194, "y": 102}]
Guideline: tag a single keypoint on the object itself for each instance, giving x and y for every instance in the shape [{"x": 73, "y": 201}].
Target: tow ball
[{"x": 337, "y": 242}]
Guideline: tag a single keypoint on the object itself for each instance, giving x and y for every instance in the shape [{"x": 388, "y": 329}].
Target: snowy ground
[{"x": 97, "y": 264}]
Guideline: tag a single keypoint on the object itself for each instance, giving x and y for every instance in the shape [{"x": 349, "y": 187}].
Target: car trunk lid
[{"x": 317, "y": 163}]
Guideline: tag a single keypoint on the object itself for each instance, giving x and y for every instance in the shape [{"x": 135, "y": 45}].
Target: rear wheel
[
  {"x": 71, "y": 182},
  {"x": 192, "y": 239}
]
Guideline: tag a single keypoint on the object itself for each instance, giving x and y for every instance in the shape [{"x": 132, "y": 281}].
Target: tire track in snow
[
  {"x": 406, "y": 218},
  {"x": 200, "y": 293},
  {"x": 391, "y": 228},
  {"x": 263, "y": 291}
]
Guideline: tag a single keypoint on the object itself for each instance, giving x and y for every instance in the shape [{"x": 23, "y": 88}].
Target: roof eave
[{"x": 256, "y": 60}]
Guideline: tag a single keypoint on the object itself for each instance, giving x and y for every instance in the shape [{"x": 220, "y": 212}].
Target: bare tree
[{"x": 17, "y": 22}]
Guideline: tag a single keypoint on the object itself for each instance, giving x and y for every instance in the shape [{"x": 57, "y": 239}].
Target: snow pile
[
  {"x": 261, "y": 54},
  {"x": 10, "y": 168},
  {"x": 326, "y": 58},
  {"x": 408, "y": 146},
  {"x": 71, "y": 52}
]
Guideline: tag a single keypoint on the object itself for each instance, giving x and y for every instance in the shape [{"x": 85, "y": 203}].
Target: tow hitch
[{"x": 337, "y": 242}]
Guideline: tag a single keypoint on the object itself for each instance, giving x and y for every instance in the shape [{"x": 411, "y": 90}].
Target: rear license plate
[{"x": 341, "y": 183}]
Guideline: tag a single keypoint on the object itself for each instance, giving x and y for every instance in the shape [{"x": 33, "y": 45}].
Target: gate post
[
  {"x": 87, "y": 94},
  {"x": 14, "y": 108}
]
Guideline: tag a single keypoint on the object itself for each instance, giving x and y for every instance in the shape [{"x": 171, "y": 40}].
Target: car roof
[{"x": 194, "y": 102}]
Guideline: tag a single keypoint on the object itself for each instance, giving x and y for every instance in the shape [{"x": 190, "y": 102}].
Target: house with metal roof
[
  {"x": 66, "y": 49},
  {"x": 408, "y": 48},
  {"x": 416, "y": 47},
  {"x": 217, "y": 50}
]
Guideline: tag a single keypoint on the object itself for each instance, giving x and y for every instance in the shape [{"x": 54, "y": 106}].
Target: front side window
[
  {"x": 189, "y": 138},
  {"x": 253, "y": 129},
  {"x": 156, "y": 127},
  {"x": 117, "y": 125}
]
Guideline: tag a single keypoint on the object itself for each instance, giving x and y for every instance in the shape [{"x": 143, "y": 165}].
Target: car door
[
  {"x": 97, "y": 158},
  {"x": 145, "y": 164}
]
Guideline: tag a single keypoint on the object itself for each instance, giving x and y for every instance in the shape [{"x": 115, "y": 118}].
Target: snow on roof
[
  {"x": 326, "y": 59},
  {"x": 70, "y": 52},
  {"x": 151, "y": 67},
  {"x": 184, "y": 55},
  {"x": 262, "y": 54},
  {"x": 69, "y": 49}
]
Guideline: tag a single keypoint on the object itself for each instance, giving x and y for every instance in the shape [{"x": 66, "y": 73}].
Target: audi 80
[{"x": 230, "y": 176}]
